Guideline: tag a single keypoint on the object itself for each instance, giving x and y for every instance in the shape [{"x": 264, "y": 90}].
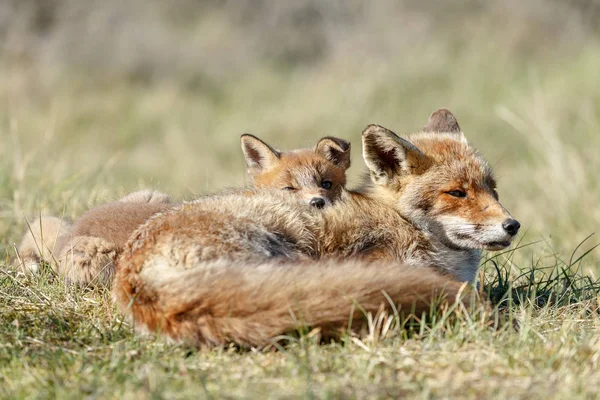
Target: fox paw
[{"x": 88, "y": 260}]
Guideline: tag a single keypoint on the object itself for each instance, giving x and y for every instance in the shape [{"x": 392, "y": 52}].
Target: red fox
[
  {"x": 86, "y": 250},
  {"x": 232, "y": 268}
]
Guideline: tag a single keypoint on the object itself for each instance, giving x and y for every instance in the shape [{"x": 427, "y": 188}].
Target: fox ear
[
  {"x": 335, "y": 150},
  {"x": 259, "y": 155},
  {"x": 442, "y": 120},
  {"x": 388, "y": 156}
]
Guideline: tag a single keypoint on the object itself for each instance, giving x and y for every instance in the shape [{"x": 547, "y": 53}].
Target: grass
[
  {"x": 60, "y": 342},
  {"x": 86, "y": 121}
]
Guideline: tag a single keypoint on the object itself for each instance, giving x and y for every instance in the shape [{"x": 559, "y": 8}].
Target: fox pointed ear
[
  {"x": 259, "y": 155},
  {"x": 335, "y": 150},
  {"x": 388, "y": 156},
  {"x": 442, "y": 120}
]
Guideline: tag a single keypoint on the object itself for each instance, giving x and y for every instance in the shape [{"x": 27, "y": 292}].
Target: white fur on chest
[{"x": 462, "y": 264}]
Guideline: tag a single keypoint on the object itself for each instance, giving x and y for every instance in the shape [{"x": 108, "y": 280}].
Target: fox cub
[
  {"x": 86, "y": 250},
  {"x": 317, "y": 176},
  {"x": 91, "y": 238}
]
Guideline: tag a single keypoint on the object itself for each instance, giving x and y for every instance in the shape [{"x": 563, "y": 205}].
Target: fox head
[
  {"x": 439, "y": 183},
  {"x": 316, "y": 175}
]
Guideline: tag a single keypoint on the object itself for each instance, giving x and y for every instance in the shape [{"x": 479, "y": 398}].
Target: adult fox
[
  {"x": 237, "y": 268},
  {"x": 84, "y": 252}
]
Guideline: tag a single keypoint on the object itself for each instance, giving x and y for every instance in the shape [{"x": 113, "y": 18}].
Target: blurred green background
[{"x": 99, "y": 98}]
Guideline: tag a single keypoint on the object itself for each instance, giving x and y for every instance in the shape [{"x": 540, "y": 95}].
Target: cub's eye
[
  {"x": 289, "y": 188},
  {"x": 457, "y": 193},
  {"x": 495, "y": 193},
  {"x": 326, "y": 185}
]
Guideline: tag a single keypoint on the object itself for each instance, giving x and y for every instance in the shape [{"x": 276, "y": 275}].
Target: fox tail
[{"x": 217, "y": 303}]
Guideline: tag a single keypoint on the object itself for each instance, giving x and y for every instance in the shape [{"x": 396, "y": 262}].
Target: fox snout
[
  {"x": 316, "y": 199},
  {"x": 318, "y": 202},
  {"x": 511, "y": 226},
  {"x": 495, "y": 228},
  {"x": 468, "y": 227}
]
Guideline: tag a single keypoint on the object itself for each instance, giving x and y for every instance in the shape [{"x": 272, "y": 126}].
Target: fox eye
[
  {"x": 457, "y": 193},
  {"x": 495, "y": 193},
  {"x": 326, "y": 185},
  {"x": 289, "y": 188}
]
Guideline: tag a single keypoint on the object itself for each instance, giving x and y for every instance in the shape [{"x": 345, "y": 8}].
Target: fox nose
[
  {"x": 511, "y": 226},
  {"x": 317, "y": 202}
]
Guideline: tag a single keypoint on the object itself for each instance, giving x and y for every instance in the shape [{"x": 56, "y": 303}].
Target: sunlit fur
[
  {"x": 244, "y": 269},
  {"x": 474, "y": 221},
  {"x": 413, "y": 176},
  {"x": 301, "y": 172},
  {"x": 254, "y": 304},
  {"x": 85, "y": 252},
  {"x": 421, "y": 195},
  {"x": 40, "y": 242},
  {"x": 199, "y": 272}
]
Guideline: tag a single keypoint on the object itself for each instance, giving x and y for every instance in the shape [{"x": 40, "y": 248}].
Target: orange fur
[
  {"x": 174, "y": 273},
  {"x": 318, "y": 176},
  {"x": 87, "y": 252},
  {"x": 223, "y": 302}
]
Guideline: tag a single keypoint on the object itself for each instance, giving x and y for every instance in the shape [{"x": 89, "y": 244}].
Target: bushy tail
[
  {"x": 249, "y": 305},
  {"x": 40, "y": 242}
]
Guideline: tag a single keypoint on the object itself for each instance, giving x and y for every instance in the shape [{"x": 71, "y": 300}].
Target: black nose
[
  {"x": 317, "y": 202},
  {"x": 511, "y": 226}
]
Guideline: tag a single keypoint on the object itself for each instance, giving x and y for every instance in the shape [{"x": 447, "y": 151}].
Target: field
[{"x": 98, "y": 101}]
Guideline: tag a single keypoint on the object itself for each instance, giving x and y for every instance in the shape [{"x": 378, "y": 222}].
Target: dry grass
[
  {"x": 58, "y": 342},
  {"x": 97, "y": 101}
]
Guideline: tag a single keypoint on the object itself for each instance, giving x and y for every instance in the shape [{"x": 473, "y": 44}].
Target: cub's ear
[
  {"x": 388, "y": 156},
  {"x": 259, "y": 155},
  {"x": 442, "y": 120},
  {"x": 335, "y": 150}
]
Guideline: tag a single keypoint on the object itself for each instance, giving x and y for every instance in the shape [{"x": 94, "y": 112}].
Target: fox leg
[
  {"x": 39, "y": 243},
  {"x": 85, "y": 260}
]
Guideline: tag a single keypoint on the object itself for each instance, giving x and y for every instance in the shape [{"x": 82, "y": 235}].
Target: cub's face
[{"x": 318, "y": 176}]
